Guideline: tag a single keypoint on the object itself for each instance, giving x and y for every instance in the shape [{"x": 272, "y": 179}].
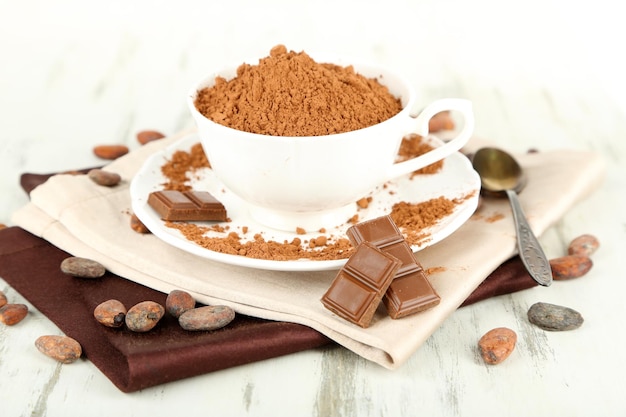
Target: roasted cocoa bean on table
[
  {"x": 61, "y": 348},
  {"x": 146, "y": 136},
  {"x": 584, "y": 245},
  {"x": 110, "y": 151},
  {"x": 554, "y": 317},
  {"x": 11, "y": 314},
  {"x": 570, "y": 267},
  {"x": 497, "y": 344}
]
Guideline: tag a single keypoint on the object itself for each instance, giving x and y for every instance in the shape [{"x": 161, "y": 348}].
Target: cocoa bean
[
  {"x": 144, "y": 316},
  {"x": 137, "y": 225},
  {"x": 206, "y": 318},
  {"x": 178, "y": 301},
  {"x": 570, "y": 266},
  {"x": 104, "y": 178},
  {"x": 553, "y": 317},
  {"x": 110, "y": 313},
  {"x": 110, "y": 151},
  {"x": 3, "y": 299},
  {"x": 584, "y": 245},
  {"x": 497, "y": 344},
  {"x": 441, "y": 121},
  {"x": 82, "y": 267},
  {"x": 146, "y": 136},
  {"x": 11, "y": 314},
  {"x": 61, "y": 348}
]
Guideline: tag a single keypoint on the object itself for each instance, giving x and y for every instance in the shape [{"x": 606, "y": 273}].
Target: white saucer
[{"x": 456, "y": 180}]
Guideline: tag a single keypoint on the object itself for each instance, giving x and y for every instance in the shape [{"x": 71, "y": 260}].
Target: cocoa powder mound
[
  {"x": 181, "y": 165},
  {"x": 289, "y": 94}
]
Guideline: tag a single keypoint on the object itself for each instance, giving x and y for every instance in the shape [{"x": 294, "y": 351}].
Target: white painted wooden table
[{"x": 541, "y": 73}]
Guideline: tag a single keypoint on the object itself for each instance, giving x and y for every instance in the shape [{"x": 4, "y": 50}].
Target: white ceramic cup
[{"x": 314, "y": 181}]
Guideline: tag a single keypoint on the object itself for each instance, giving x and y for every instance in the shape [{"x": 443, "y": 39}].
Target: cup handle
[{"x": 421, "y": 128}]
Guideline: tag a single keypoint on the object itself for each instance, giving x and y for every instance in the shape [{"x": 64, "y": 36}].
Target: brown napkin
[{"x": 135, "y": 361}]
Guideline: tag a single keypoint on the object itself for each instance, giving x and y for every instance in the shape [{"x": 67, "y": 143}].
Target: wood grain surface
[{"x": 541, "y": 75}]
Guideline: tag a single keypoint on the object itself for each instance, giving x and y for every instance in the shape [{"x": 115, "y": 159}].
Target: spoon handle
[{"x": 529, "y": 248}]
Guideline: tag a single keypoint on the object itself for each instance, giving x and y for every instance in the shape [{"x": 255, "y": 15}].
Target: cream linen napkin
[{"x": 92, "y": 221}]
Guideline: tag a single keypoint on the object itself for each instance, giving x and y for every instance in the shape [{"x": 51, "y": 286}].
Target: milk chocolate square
[
  {"x": 358, "y": 288},
  {"x": 410, "y": 294},
  {"x": 191, "y": 205}
]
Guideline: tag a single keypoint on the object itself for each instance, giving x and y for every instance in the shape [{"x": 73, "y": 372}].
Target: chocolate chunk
[
  {"x": 187, "y": 206},
  {"x": 381, "y": 231},
  {"x": 409, "y": 294},
  {"x": 358, "y": 288},
  {"x": 410, "y": 291}
]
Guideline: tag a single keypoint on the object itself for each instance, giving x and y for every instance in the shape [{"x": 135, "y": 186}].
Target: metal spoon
[{"x": 500, "y": 175}]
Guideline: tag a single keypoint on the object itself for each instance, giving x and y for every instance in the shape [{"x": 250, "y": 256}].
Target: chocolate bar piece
[
  {"x": 358, "y": 288},
  {"x": 409, "y": 294},
  {"x": 187, "y": 205},
  {"x": 410, "y": 291}
]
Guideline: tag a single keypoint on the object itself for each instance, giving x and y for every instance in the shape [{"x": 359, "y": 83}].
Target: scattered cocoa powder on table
[{"x": 289, "y": 94}]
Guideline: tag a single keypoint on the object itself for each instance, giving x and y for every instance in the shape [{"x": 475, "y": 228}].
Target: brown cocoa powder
[
  {"x": 413, "y": 145},
  {"x": 435, "y": 270},
  {"x": 181, "y": 165},
  {"x": 260, "y": 248},
  {"x": 289, "y": 94},
  {"x": 495, "y": 217},
  {"x": 414, "y": 218}
]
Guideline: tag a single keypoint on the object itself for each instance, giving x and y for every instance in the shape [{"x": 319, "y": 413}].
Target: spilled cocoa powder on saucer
[
  {"x": 412, "y": 218},
  {"x": 183, "y": 164}
]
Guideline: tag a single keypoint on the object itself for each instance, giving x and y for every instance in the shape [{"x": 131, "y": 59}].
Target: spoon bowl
[
  {"x": 498, "y": 171},
  {"x": 501, "y": 175}
]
